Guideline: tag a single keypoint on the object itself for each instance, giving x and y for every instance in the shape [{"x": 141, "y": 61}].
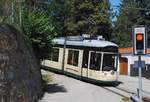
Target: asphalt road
[{"x": 67, "y": 89}]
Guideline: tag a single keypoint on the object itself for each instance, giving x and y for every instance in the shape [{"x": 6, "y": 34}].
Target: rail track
[{"x": 126, "y": 94}]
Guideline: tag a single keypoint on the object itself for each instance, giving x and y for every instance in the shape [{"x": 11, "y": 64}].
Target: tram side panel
[
  {"x": 76, "y": 68},
  {"x": 73, "y": 61},
  {"x": 55, "y": 64}
]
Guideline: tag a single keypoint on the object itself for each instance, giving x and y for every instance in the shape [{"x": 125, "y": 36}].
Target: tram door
[{"x": 94, "y": 64}]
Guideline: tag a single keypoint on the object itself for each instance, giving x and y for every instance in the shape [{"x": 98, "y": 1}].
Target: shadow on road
[
  {"x": 54, "y": 88},
  {"x": 114, "y": 84}
]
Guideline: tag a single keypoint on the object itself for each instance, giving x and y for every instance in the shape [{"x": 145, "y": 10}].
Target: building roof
[
  {"x": 84, "y": 42},
  {"x": 129, "y": 50}
]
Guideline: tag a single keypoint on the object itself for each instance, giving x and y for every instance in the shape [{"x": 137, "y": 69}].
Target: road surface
[{"x": 67, "y": 89}]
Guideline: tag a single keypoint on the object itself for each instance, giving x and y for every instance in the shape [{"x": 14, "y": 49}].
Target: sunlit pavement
[
  {"x": 131, "y": 84},
  {"x": 66, "y": 89}
]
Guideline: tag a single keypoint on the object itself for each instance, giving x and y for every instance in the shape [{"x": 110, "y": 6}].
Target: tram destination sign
[{"x": 139, "y": 40}]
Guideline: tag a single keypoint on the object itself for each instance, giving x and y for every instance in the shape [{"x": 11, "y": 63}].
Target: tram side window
[
  {"x": 73, "y": 57},
  {"x": 109, "y": 62},
  {"x": 54, "y": 54},
  {"x": 85, "y": 59},
  {"x": 95, "y": 61}
]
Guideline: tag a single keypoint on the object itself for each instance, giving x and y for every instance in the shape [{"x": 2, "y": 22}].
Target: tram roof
[{"x": 84, "y": 42}]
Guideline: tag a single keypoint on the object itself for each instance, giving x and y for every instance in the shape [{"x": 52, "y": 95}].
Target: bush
[{"x": 36, "y": 25}]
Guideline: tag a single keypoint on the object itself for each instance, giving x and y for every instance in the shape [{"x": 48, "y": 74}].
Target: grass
[{"x": 47, "y": 78}]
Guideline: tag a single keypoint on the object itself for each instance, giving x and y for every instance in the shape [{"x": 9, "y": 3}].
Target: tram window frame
[
  {"x": 111, "y": 65},
  {"x": 85, "y": 59},
  {"x": 73, "y": 57},
  {"x": 94, "y": 65},
  {"x": 54, "y": 55}
]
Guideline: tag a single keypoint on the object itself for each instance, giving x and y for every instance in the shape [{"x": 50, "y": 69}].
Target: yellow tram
[{"x": 85, "y": 57}]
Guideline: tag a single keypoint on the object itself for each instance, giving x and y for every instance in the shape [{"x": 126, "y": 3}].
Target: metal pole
[
  {"x": 64, "y": 51},
  {"x": 140, "y": 81}
]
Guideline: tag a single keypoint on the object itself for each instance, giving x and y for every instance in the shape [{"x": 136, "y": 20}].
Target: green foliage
[
  {"x": 144, "y": 18},
  {"x": 90, "y": 17},
  {"x": 76, "y": 17},
  {"x": 36, "y": 25},
  {"x": 5, "y": 10},
  {"x": 59, "y": 10},
  {"x": 128, "y": 17},
  {"x": 125, "y": 21},
  {"x": 46, "y": 78}
]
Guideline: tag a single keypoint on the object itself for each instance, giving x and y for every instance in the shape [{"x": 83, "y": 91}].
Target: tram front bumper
[{"x": 108, "y": 76}]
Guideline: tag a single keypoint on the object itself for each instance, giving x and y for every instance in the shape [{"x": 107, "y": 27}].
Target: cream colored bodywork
[
  {"x": 54, "y": 64},
  {"x": 71, "y": 68},
  {"x": 102, "y": 75},
  {"x": 99, "y": 75},
  {"x": 78, "y": 70}
]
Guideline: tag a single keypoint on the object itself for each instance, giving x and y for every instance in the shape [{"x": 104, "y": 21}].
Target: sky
[{"x": 115, "y": 3}]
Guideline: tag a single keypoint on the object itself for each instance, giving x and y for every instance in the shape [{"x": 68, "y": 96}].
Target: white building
[{"x": 127, "y": 60}]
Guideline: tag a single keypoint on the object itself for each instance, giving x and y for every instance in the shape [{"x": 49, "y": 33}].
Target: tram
[{"x": 91, "y": 58}]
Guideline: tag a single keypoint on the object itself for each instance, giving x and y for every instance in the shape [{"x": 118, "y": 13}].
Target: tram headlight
[{"x": 112, "y": 72}]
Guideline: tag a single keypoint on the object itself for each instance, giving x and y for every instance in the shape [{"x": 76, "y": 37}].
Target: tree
[
  {"x": 37, "y": 27},
  {"x": 31, "y": 3},
  {"x": 76, "y": 17},
  {"x": 125, "y": 20},
  {"x": 5, "y": 9},
  {"x": 59, "y": 12},
  {"x": 145, "y": 15},
  {"x": 90, "y": 17},
  {"x": 132, "y": 12}
]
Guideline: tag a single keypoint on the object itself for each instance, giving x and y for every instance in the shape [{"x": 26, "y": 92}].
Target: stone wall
[{"x": 20, "y": 76}]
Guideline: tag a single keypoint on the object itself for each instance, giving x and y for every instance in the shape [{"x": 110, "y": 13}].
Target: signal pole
[
  {"x": 140, "y": 46},
  {"x": 140, "y": 80}
]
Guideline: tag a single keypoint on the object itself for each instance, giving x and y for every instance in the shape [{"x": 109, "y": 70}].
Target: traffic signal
[
  {"x": 139, "y": 38},
  {"x": 139, "y": 41}
]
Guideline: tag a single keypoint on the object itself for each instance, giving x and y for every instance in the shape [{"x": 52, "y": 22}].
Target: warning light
[
  {"x": 139, "y": 37},
  {"x": 139, "y": 40}
]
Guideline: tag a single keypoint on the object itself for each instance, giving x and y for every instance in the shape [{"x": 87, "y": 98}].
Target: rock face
[{"x": 20, "y": 76}]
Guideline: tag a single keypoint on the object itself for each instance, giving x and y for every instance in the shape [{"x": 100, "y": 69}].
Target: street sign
[
  {"x": 139, "y": 64},
  {"x": 139, "y": 40}
]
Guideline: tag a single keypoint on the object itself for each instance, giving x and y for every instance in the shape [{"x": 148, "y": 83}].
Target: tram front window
[
  {"x": 109, "y": 62},
  {"x": 95, "y": 61}
]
